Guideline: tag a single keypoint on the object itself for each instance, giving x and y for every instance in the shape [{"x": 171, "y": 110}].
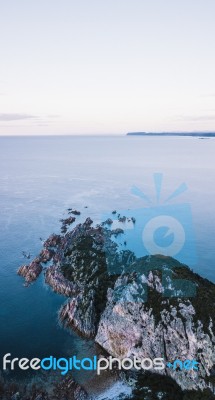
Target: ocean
[{"x": 40, "y": 177}]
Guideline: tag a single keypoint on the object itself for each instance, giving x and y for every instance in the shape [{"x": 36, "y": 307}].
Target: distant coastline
[{"x": 195, "y": 134}]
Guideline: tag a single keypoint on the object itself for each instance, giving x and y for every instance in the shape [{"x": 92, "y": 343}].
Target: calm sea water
[{"x": 40, "y": 177}]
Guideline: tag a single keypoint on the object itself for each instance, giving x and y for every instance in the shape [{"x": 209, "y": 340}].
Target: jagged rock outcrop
[
  {"x": 147, "y": 307},
  {"x": 52, "y": 241},
  {"x": 46, "y": 255},
  {"x": 159, "y": 326},
  {"x": 79, "y": 272},
  {"x": 61, "y": 285},
  {"x": 79, "y": 315},
  {"x": 30, "y": 272}
]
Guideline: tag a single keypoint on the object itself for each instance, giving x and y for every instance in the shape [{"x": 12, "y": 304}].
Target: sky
[{"x": 106, "y": 66}]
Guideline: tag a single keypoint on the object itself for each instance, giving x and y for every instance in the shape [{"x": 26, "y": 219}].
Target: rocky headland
[{"x": 146, "y": 307}]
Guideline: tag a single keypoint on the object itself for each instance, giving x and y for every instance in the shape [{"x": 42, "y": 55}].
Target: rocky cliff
[
  {"x": 148, "y": 307},
  {"x": 170, "y": 327}
]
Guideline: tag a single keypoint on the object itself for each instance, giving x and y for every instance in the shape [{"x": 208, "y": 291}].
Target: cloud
[{"x": 15, "y": 117}]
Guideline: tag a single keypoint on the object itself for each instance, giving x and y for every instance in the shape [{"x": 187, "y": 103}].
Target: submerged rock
[
  {"x": 117, "y": 231},
  {"x": 68, "y": 221},
  {"x": 74, "y": 212}
]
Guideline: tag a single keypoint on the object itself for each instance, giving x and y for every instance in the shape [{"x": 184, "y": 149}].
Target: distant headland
[{"x": 195, "y": 134}]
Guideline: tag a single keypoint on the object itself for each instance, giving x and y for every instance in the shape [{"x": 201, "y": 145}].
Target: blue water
[{"x": 40, "y": 177}]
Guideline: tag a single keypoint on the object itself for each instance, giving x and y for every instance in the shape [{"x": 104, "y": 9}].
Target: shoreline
[{"x": 95, "y": 305}]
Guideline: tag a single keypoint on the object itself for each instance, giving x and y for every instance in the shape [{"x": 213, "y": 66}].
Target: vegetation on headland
[{"x": 86, "y": 268}]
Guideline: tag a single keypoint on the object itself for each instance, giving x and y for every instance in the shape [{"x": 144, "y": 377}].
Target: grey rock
[
  {"x": 30, "y": 272},
  {"x": 128, "y": 327}
]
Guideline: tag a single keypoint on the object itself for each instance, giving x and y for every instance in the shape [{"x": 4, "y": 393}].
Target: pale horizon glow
[{"x": 106, "y": 67}]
